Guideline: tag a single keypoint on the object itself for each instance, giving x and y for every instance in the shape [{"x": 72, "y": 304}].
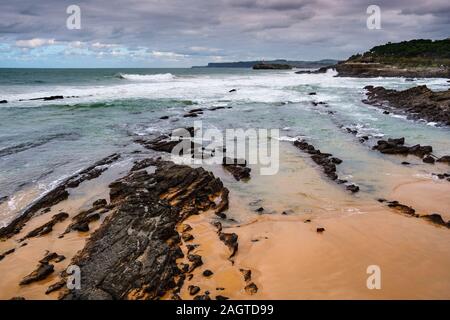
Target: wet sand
[{"x": 287, "y": 257}]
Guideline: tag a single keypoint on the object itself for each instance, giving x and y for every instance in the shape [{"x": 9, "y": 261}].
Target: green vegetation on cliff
[{"x": 408, "y": 53}]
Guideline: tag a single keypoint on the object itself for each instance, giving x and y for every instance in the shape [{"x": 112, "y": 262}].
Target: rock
[
  {"x": 196, "y": 261},
  {"x": 386, "y": 112},
  {"x": 190, "y": 115},
  {"x": 312, "y": 93},
  {"x": 444, "y": 159},
  {"x": 232, "y": 90},
  {"x": 219, "y": 297},
  {"x": 231, "y": 241},
  {"x": 251, "y": 288},
  {"x": 56, "y": 286},
  {"x": 247, "y": 274},
  {"x": 3, "y": 101},
  {"x": 134, "y": 252},
  {"x": 207, "y": 273},
  {"x": 100, "y": 203},
  {"x": 402, "y": 208},
  {"x": 320, "y": 230},
  {"x": 81, "y": 221},
  {"x": 216, "y": 108},
  {"x": 428, "y": 159},
  {"x": 237, "y": 167},
  {"x": 17, "y": 298},
  {"x": 436, "y": 219},
  {"x": 49, "y": 98},
  {"x": 42, "y": 271},
  {"x": 418, "y": 102},
  {"x": 193, "y": 290},
  {"x": 405, "y": 163},
  {"x": 52, "y": 257},
  {"x": 307, "y": 221},
  {"x": 142, "y": 164},
  {"x": 187, "y": 237},
  {"x": 7, "y": 252},
  {"x": 202, "y": 297},
  {"x": 47, "y": 227},
  {"x": 164, "y": 117},
  {"x": 396, "y": 146},
  {"x": 353, "y": 188}
]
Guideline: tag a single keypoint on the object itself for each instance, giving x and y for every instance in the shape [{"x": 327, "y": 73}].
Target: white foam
[{"x": 148, "y": 77}]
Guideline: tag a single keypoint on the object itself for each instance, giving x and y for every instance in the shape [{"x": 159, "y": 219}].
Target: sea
[{"x": 104, "y": 110}]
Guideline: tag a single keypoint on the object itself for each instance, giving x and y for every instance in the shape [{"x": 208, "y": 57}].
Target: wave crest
[{"x": 147, "y": 77}]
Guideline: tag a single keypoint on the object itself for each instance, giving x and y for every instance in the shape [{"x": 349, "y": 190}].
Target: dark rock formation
[
  {"x": 237, "y": 168},
  {"x": 401, "y": 208},
  {"x": 42, "y": 271},
  {"x": 251, "y": 288},
  {"x": 396, "y": 146},
  {"x": 7, "y": 252},
  {"x": 436, "y": 219},
  {"x": 374, "y": 70},
  {"x": 324, "y": 160},
  {"x": 231, "y": 241},
  {"x": 133, "y": 254},
  {"x": 444, "y": 159},
  {"x": 207, "y": 273},
  {"x": 417, "y": 103},
  {"x": 47, "y": 227},
  {"x": 193, "y": 290},
  {"x": 55, "y": 287},
  {"x": 52, "y": 257}
]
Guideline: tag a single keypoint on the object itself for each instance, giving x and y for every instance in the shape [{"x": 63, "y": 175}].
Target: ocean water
[{"x": 41, "y": 142}]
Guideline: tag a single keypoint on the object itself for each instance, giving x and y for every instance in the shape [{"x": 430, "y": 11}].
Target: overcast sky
[{"x": 181, "y": 33}]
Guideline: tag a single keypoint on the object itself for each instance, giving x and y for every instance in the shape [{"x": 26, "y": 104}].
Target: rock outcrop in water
[
  {"x": 417, "y": 103},
  {"x": 326, "y": 161},
  {"x": 397, "y": 146},
  {"x": 133, "y": 254}
]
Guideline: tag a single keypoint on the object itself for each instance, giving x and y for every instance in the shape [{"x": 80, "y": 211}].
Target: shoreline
[{"x": 279, "y": 229}]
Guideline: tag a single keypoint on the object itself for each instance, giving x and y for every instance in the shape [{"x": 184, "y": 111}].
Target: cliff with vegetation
[{"x": 415, "y": 58}]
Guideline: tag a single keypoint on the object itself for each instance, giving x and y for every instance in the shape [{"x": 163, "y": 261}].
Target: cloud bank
[{"x": 152, "y": 33}]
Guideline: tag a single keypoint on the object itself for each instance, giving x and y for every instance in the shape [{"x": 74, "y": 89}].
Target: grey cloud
[{"x": 296, "y": 29}]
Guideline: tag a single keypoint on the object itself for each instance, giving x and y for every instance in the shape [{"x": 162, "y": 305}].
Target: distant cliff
[{"x": 251, "y": 64}]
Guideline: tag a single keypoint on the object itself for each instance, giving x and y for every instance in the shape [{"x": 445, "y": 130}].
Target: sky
[{"x": 182, "y": 33}]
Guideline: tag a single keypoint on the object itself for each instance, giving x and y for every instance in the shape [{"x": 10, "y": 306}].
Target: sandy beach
[{"x": 280, "y": 245}]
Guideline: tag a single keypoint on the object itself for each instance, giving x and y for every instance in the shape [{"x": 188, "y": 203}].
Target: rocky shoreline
[
  {"x": 133, "y": 254},
  {"x": 417, "y": 103}
]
